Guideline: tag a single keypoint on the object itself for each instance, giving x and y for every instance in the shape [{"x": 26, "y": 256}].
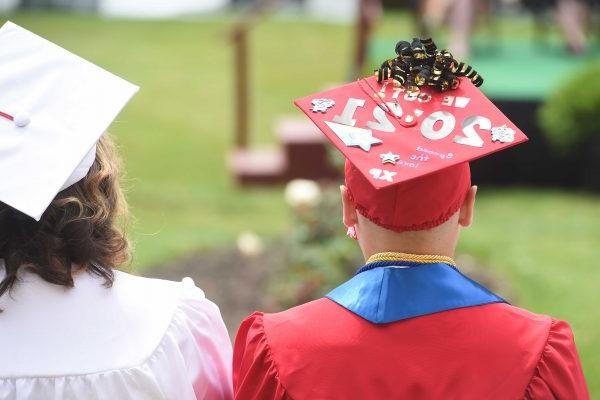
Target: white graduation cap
[{"x": 54, "y": 107}]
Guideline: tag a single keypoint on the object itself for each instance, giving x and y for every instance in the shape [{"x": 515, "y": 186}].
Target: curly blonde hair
[{"x": 83, "y": 228}]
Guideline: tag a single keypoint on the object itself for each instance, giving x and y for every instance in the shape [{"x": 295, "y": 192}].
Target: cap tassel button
[{"x": 22, "y": 119}]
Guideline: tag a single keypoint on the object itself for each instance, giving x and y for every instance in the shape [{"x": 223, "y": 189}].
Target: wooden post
[
  {"x": 239, "y": 36},
  {"x": 368, "y": 13},
  {"x": 240, "y": 39}
]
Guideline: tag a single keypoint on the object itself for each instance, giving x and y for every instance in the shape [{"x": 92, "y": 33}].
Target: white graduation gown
[{"x": 141, "y": 339}]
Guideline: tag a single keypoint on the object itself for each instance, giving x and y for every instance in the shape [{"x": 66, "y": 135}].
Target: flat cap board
[{"x": 393, "y": 136}]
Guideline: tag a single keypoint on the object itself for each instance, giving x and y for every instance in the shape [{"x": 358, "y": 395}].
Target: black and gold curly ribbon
[{"x": 420, "y": 63}]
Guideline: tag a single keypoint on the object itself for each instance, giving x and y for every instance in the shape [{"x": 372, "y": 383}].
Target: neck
[{"x": 440, "y": 241}]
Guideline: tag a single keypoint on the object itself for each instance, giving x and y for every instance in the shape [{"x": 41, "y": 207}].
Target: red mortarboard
[{"x": 407, "y": 152}]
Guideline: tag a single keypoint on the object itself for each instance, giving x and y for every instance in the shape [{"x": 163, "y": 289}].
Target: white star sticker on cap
[
  {"x": 321, "y": 105},
  {"x": 503, "y": 134},
  {"x": 389, "y": 157},
  {"x": 353, "y": 136}
]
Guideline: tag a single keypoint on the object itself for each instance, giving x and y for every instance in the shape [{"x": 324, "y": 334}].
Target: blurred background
[{"x": 228, "y": 183}]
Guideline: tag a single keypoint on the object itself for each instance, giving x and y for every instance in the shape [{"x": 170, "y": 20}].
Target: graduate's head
[
  {"x": 412, "y": 215},
  {"x": 408, "y": 134},
  {"x": 81, "y": 228},
  {"x": 60, "y": 198}
]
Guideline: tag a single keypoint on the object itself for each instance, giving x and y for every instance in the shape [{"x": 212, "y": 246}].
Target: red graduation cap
[{"x": 407, "y": 151}]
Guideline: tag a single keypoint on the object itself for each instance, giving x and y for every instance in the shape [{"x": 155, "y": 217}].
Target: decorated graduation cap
[
  {"x": 408, "y": 134},
  {"x": 54, "y": 107}
]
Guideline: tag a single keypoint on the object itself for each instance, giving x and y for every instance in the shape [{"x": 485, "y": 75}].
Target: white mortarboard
[{"x": 54, "y": 107}]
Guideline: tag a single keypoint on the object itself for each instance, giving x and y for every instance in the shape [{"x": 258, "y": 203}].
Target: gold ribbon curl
[{"x": 420, "y": 63}]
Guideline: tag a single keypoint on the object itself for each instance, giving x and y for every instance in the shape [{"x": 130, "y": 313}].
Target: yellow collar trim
[{"x": 419, "y": 258}]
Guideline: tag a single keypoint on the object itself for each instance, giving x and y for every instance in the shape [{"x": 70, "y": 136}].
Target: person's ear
[
  {"x": 467, "y": 210},
  {"x": 349, "y": 216}
]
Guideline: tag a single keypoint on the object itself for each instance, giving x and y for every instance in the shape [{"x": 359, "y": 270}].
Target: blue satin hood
[{"x": 393, "y": 291}]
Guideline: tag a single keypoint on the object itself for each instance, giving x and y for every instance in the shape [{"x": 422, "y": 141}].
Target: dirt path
[{"x": 237, "y": 284}]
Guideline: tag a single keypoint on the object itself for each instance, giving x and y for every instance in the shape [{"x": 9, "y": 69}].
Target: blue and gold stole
[{"x": 396, "y": 286}]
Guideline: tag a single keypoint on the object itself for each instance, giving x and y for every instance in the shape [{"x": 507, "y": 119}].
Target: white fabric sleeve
[{"x": 205, "y": 344}]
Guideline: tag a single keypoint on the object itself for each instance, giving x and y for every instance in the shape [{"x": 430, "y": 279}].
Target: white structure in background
[
  {"x": 157, "y": 8},
  {"x": 8, "y": 5},
  {"x": 302, "y": 193},
  {"x": 250, "y": 244},
  {"x": 333, "y": 11}
]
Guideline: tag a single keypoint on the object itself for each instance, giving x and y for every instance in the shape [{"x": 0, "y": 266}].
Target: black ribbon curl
[{"x": 420, "y": 63}]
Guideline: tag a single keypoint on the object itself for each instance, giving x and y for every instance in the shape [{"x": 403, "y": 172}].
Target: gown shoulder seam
[
  {"x": 271, "y": 358},
  {"x": 541, "y": 356}
]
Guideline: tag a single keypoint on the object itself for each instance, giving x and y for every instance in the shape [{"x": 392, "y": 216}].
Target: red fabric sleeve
[
  {"x": 254, "y": 371},
  {"x": 558, "y": 374}
]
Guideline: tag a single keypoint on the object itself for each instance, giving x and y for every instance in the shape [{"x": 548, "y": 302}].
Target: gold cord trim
[{"x": 420, "y": 258}]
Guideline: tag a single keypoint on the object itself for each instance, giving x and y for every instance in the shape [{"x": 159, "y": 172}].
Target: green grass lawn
[{"x": 177, "y": 131}]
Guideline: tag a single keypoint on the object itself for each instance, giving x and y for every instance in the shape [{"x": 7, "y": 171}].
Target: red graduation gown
[{"x": 320, "y": 350}]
